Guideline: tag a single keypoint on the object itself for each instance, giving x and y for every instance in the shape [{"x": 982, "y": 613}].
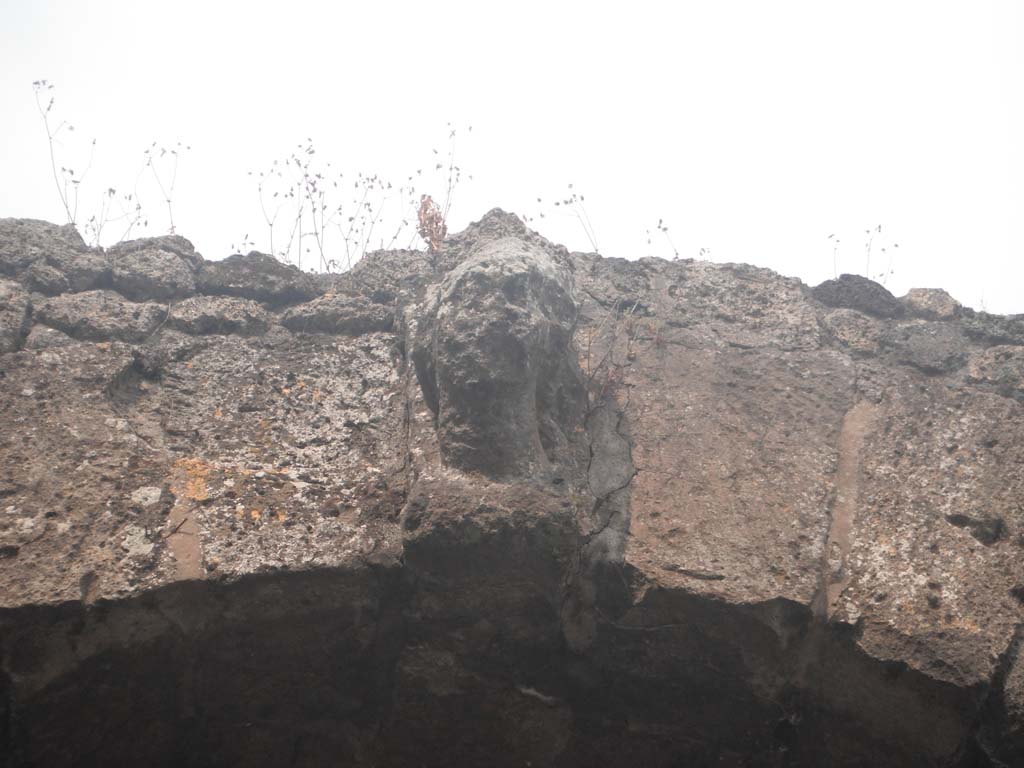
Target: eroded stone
[
  {"x": 154, "y": 268},
  {"x": 339, "y": 313},
  {"x": 100, "y": 316},
  {"x": 14, "y": 315},
  {"x": 201, "y": 315},
  {"x": 564, "y": 510},
  {"x": 860, "y": 293},
  {"x": 26, "y": 242},
  {"x": 259, "y": 277},
  {"x": 931, "y": 304}
]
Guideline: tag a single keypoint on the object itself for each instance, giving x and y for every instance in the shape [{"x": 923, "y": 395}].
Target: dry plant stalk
[
  {"x": 114, "y": 208},
  {"x": 432, "y": 225}
]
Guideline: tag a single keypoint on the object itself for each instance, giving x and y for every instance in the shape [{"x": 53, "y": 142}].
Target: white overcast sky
[{"x": 754, "y": 129}]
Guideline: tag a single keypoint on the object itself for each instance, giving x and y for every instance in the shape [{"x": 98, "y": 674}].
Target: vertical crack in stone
[
  {"x": 857, "y": 423},
  {"x": 609, "y": 476}
]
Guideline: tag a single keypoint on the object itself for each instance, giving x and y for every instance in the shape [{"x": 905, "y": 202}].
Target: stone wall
[{"x": 508, "y": 505}]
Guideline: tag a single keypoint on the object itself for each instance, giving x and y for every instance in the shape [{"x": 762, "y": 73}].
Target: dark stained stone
[
  {"x": 349, "y": 315},
  {"x": 860, "y": 293},
  {"x": 155, "y": 268},
  {"x": 259, "y": 277},
  {"x": 14, "y": 315},
  {"x": 100, "y": 316},
  {"x": 24, "y": 242},
  {"x": 218, "y": 314}
]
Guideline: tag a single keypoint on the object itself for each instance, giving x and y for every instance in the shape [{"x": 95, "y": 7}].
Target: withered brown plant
[{"x": 433, "y": 228}]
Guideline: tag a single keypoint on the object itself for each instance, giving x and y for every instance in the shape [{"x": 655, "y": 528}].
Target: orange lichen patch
[
  {"x": 218, "y": 414},
  {"x": 190, "y": 479},
  {"x": 281, "y": 516},
  {"x": 964, "y": 623},
  {"x": 104, "y": 345},
  {"x": 256, "y": 515}
]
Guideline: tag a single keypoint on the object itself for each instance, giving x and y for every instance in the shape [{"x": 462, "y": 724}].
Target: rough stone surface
[
  {"x": 931, "y": 304},
  {"x": 41, "y": 337},
  {"x": 1000, "y": 369},
  {"x": 860, "y": 293},
  {"x": 993, "y": 329},
  {"x": 930, "y": 347},
  {"x": 100, "y": 316},
  {"x": 348, "y": 315},
  {"x": 218, "y": 314},
  {"x": 505, "y": 505},
  {"x": 490, "y": 354},
  {"x": 854, "y": 332},
  {"x": 259, "y": 277},
  {"x": 43, "y": 278},
  {"x": 14, "y": 315},
  {"x": 48, "y": 252},
  {"x": 154, "y": 269}
]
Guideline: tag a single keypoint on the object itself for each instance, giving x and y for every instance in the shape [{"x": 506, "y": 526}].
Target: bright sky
[{"x": 754, "y": 129}]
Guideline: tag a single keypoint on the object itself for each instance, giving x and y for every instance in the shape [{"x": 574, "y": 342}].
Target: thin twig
[{"x": 176, "y": 528}]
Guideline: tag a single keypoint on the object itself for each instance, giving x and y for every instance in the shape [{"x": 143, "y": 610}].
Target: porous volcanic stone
[
  {"x": 154, "y": 268},
  {"x": 931, "y": 304},
  {"x": 259, "y": 277},
  {"x": 218, "y": 314},
  {"x": 501, "y": 505},
  {"x": 999, "y": 368},
  {"x": 860, "y": 293},
  {"x": 100, "y": 316},
  {"x": 24, "y": 242},
  {"x": 14, "y": 315},
  {"x": 339, "y": 313},
  {"x": 928, "y": 346},
  {"x": 492, "y": 357},
  {"x": 42, "y": 278}
]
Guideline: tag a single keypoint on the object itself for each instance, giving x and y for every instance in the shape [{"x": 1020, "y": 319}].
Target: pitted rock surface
[
  {"x": 41, "y": 337},
  {"x": 931, "y": 304},
  {"x": 994, "y": 329},
  {"x": 930, "y": 347},
  {"x": 854, "y": 332},
  {"x": 14, "y": 315},
  {"x": 40, "y": 277},
  {"x": 492, "y": 357},
  {"x": 51, "y": 256},
  {"x": 259, "y": 277},
  {"x": 100, "y": 316},
  {"x": 345, "y": 314},
  {"x": 200, "y": 315},
  {"x": 999, "y": 368},
  {"x": 154, "y": 269},
  {"x": 860, "y": 293},
  {"x": 501, "y": 505}
]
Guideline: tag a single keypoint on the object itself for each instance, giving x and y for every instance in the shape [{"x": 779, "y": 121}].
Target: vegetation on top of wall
[{"x": 315, "y": 216}]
